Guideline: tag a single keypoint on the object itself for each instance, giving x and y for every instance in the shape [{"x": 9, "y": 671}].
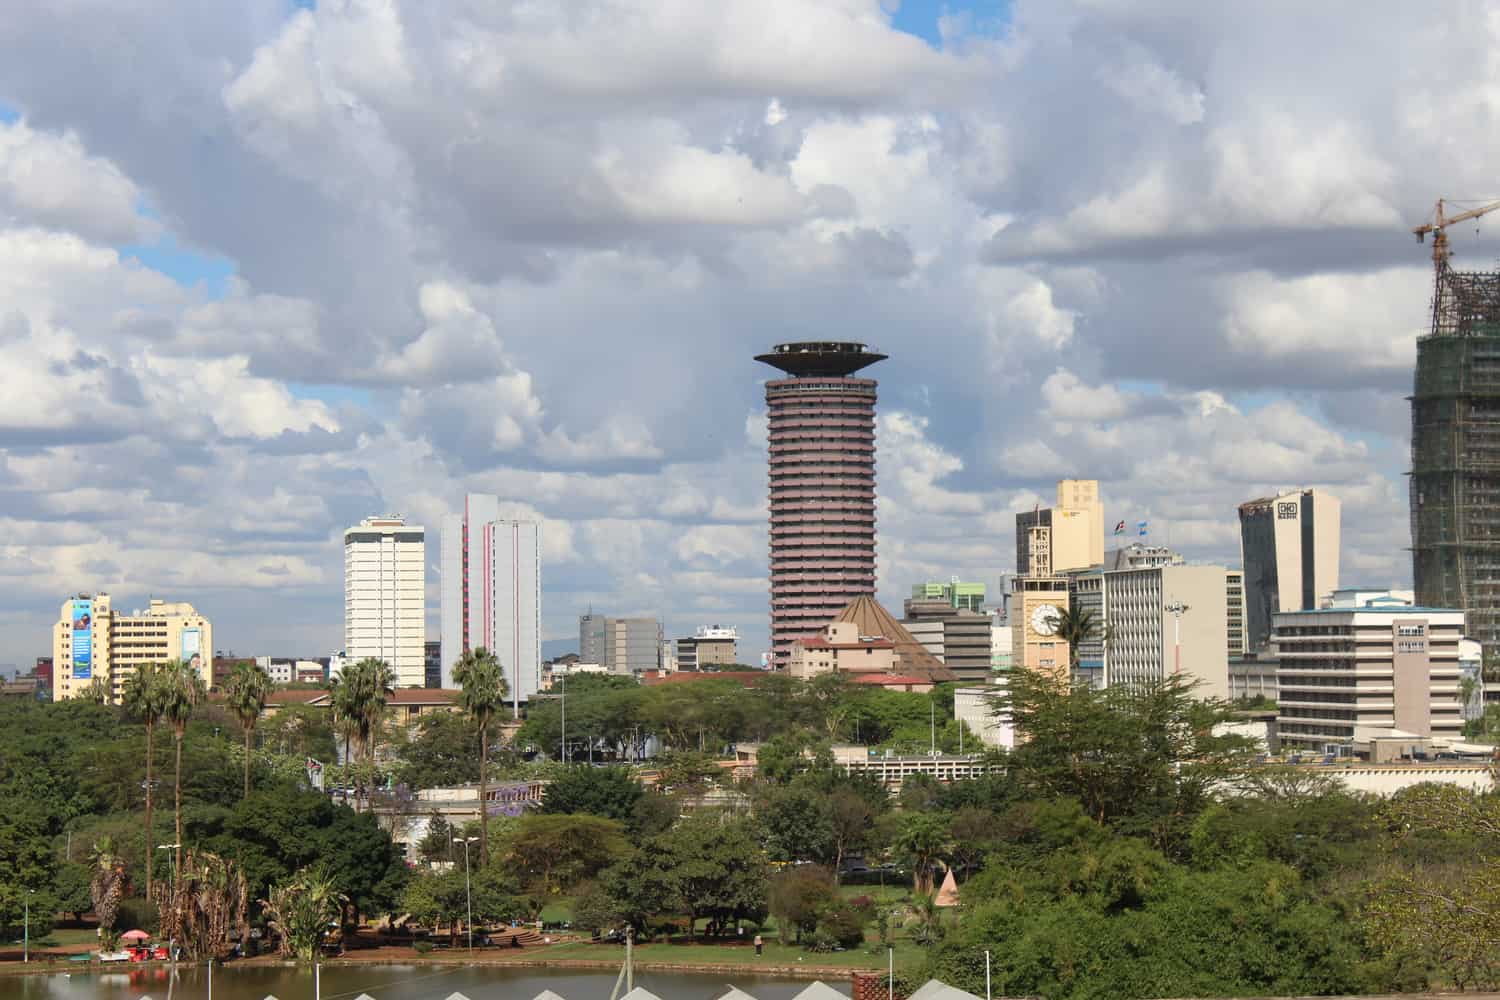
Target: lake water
[{"x": 387, "y": 982}]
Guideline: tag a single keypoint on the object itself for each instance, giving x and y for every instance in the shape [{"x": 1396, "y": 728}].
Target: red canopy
[{"x": 135, "y": 935}]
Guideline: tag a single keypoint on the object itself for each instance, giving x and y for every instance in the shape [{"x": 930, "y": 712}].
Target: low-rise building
[
  {"x": 1379, "y": 664},
  {"x": 839, "y": 647},
  {"x": 980, "y": 709},
  {"x": 1253, "y": 676},
  {"x": 709, "y": 646}
]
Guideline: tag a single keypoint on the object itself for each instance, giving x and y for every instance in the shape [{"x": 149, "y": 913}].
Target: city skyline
[{"x": 222, "y": 355}]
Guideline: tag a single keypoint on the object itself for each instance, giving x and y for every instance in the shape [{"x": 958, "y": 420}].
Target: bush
[
  {"x": 421, "y": 947},
  {"x": 841, "y": 925}
]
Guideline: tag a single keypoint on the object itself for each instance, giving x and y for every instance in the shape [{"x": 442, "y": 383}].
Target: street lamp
[
  {"x": 26, "y": 929},
  {"x": 172, "y": 938},
  {"x": 1176, "y": 609},
  {"x": 468, "y": 893}
]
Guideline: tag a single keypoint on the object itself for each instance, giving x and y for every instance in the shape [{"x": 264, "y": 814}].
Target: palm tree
[
  {"x": 342, "y": 709},
  {"x": 142, "y": 698},
  {"x": 1076, "y": 626},
  {"x": 245, "y": 695},
  {"x": 106, "y": 888},
  {"x": 182, "y": 690},
  {"x": 482, "y": 681},
  {"x": 359, "y": 700}
]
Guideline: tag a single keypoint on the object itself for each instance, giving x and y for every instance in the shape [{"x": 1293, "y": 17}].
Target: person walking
[{"x": 759, "y": 944}]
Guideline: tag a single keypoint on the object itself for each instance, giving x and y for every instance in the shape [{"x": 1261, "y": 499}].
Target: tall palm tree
[
  {"x": 182, "y": 690},
  {"x": 342, "y": 709},
  {"x": 142, "y": 698},
  {"x": 245, "y": 695},
  {"x": 360, "y": 699},
  {"x": 482, "y": 681},
  {"x": 1075, "y": 626}
]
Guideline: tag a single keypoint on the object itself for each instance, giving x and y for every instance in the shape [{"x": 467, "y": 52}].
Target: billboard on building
[
  {"x": 83, "y": 640},
  {"x": 192, "y": 647}
]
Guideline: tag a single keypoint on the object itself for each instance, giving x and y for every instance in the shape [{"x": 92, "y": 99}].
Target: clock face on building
[{"x": 1044, "y": 619}]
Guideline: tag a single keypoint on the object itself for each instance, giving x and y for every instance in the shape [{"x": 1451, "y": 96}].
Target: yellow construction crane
[{"x": 1438, "y": 228}]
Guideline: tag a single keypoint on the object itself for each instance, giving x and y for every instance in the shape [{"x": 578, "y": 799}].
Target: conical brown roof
[
  {"x": 947, "y": 895},
  {"x": 911, "y": 656}
]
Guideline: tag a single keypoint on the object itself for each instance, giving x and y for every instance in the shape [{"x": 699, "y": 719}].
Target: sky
[{"x": 267, "y": 268}]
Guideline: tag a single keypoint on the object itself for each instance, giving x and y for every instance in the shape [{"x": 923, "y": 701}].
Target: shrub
[
  {"x": 421, "y": 947},
  {"x": 842, "y": 925}
]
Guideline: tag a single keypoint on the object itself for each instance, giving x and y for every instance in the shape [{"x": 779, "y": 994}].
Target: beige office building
[
  {"x": 1069, "y": 536},
  {"x": 1367, "y": 663},
  {"x": 94, "y": 642},
  {"x": 385, "y": 596}
]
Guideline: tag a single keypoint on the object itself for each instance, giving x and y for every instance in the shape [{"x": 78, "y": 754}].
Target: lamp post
[
  {"x": 1176, "y": 610},
  {"x": 172, "y": 938},
  {"x": 468, "y": 893},
  {"x": 26, "y": 929},
  {"x": 565, "y": 717}
]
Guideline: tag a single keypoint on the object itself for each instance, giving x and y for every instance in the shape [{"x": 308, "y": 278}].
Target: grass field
[{"x": 907, "y": 954}]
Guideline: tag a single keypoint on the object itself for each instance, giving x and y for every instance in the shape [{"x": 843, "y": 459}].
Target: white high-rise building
[
  {"x": 492, "y": 593},
  {"x": 385, "y": 595}
]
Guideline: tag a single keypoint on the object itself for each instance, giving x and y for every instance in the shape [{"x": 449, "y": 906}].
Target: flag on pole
[
  {"x": 1141, "y": 528},
  {"x": 1120, "y": 528}
]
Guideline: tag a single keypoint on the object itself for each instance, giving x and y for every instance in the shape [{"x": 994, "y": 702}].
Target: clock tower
[{"x": 1036, "y": 605}]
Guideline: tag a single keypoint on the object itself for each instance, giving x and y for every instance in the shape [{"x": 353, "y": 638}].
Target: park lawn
[
  {"x": 558, "y": 911},
  {"x": 908, "y": 954},
  {"x": 63, "y": 937}
]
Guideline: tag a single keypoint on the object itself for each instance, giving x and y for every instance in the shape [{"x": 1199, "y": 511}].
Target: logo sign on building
[
  {"x": 192, "y": 647},
  {"x": 83, "y": 640},
  {"x": 1286, "y": 511}
]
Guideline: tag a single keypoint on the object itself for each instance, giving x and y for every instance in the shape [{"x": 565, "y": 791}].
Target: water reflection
[{"x": 384, "y": 982}]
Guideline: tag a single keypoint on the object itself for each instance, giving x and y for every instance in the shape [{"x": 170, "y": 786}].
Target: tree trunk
[
  {"x": 484, "y": 811},
  {"x": 348, "y": 772},
  {"x": 249, "y": 734},
  {"x": 150, "y": 847},
  {"x": 177, "y": 805}
]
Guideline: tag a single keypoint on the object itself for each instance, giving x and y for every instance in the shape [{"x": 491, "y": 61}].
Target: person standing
[{"x": 759, "y": 944}]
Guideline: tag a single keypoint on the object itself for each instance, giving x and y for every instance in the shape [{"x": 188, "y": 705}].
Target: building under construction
[{"x": 1455, "y": 449}]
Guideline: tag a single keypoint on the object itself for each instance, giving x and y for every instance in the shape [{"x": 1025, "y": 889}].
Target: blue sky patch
[
  {"x": 331, "y": 394},
  {"x": 920, "y": 17},
  {"x": 183, "y": 265},
  {"x": 8, "y": 114}
]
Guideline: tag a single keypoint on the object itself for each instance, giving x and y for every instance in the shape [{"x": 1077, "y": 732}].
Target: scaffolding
[{"x": 1455, "y": 453}]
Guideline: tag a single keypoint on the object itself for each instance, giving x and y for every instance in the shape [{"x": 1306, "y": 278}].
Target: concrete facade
[
  {"x": 1147, "y": 643},
  {"x": 1381, "y": 665},
  {"x": 1234, "y": 613},
  {"x": 960, "y": 638},
  {"x": 1253, "y": 676},
  {"x": 92, "y": 641},
  {"x": 385, "y": 596},
  {"x": 632, "y": 646},
  {"x": 1290, "y": 548},
  {"x": 492, "y": 593}
]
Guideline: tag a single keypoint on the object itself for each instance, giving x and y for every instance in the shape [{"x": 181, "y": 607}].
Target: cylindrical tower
[{"x": 822, "y": 473}]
